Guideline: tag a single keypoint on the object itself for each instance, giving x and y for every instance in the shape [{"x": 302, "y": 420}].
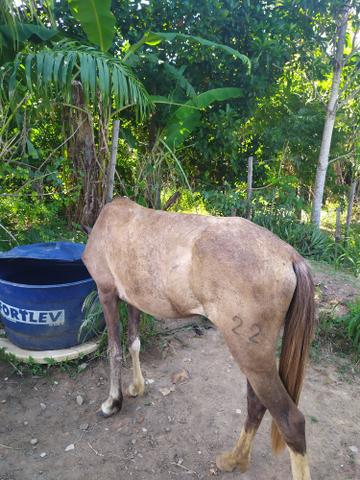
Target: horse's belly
[
  {"x": 168, "y": 296},
  {"x": 158, "y": 307}
]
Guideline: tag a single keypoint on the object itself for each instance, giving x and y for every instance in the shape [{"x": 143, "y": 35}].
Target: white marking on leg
[
  {"x": 135, "y": 346},
  {"x": 114, "y": 390},
  {"x": 107, "y": 406},
  {"x": 110, "y": 405},
  {"x": 243, "y": 447},
  {"x": 240, "y": 455},
  {"x": 299, "y": 466},
  {"x": 137, "y": 387}
]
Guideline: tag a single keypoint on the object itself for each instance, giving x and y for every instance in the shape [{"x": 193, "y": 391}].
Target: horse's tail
[{"x": 298, "y": 331}]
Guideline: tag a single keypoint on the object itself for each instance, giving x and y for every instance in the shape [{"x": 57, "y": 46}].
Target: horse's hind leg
[
  {"x": 109, "y": 301},
  {"x": 133, "y": 340},
  {"x": 255, "y": 356},
  {"x": 240, "y": 455},
  {"x": 291, "y": 422}
]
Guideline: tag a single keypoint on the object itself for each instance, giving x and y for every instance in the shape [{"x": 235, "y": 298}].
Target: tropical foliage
[
  {"x": 198, "y": 88},
  {"x": 52, "y": 71}
]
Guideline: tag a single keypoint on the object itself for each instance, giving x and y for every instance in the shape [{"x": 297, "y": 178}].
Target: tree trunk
[
  {"x": 103, "y": 152},
  {"x": 323, "y": 161},
  {"x": 83, "y": 156},
  {"x": 350, "y": 207},
  {"x": 112, "y": 164}
]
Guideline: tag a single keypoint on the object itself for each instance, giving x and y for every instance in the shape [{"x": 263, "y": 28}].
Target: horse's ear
[{"x": 86, "y": 229}]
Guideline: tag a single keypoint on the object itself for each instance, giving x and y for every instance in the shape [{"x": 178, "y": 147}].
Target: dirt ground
[{"x": 174, "y": 436}]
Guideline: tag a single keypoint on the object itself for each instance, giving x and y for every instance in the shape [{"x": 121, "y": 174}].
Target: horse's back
[{"x": 182, "y": 264}]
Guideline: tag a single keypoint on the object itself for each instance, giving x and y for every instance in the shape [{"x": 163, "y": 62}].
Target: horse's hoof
[
  {"x": 107, "y": 410},
  {"x": 135, "y": 390},
  {"x": 243, "y": 466},
  {"x": 228, "y": 463},
  {"x": 225, "y": 462}
]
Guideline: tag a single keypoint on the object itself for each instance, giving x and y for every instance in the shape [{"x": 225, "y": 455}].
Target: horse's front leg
[
  {"x": 109, "y": 301},
  {"x": 133, "y": 341}
]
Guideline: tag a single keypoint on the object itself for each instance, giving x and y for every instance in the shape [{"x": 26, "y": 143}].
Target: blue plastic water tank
[{"x": 42, "y": 291}]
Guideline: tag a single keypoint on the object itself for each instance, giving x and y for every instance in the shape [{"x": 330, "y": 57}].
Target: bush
[
  {"x": 342, "y": 334},
  {"x": 313, "y": 243},
  {"x": 352, "y": 324},
  {"x": 307, "y": 239}
]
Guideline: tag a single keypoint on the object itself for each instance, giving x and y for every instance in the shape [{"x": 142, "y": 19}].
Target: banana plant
[
  {"x": 16, "y": 29},
  {"x": 188, "y": 116},
  {"x": 96, "y": 19},
  {"x": 18, "y": 24},
  {"x": 155, "y": 38},
  {"x": 160, "y": 165}
]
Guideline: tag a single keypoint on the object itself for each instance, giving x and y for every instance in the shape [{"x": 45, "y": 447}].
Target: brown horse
[{"x": 243, "y": 278}]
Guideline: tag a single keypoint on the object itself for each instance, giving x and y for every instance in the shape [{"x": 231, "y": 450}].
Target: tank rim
[{"x": 47, "y": 286}]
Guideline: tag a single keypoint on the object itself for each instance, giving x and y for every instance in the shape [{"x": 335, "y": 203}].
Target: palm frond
[
  {"x": 54, "y": 69},
  {"x": 93, "y": 317}
]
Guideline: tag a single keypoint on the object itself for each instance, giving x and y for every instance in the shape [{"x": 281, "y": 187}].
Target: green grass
[
  {"x": 352, "y": 324},
  {"x": 31, "y": 368},
  {"x": 339, "y": 334}
]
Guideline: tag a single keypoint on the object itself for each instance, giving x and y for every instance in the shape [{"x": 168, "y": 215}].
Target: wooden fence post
[
  {"x": 112, "y": 163},
  {"x": 249, "y": 186},
  {"x": 338, "y": 225},
  {"x": 350, "y": 207}
]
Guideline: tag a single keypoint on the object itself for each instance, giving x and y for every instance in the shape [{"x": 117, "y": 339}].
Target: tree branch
[
  {"x": 171, "y": 201},
  {"x": 347, "y": 99},
  {"x": 349, "y": 81}
]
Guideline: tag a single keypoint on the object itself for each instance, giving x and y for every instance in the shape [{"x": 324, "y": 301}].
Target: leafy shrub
[
  {"x": 311, "y": 242},
  {"x": 348, "y": 253},
  {"x": 220, "y": 202},
  {"x": 352, "y": 323},
  {"x": 307, "y": 239},
  {"x": 333, "y": 333}
]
